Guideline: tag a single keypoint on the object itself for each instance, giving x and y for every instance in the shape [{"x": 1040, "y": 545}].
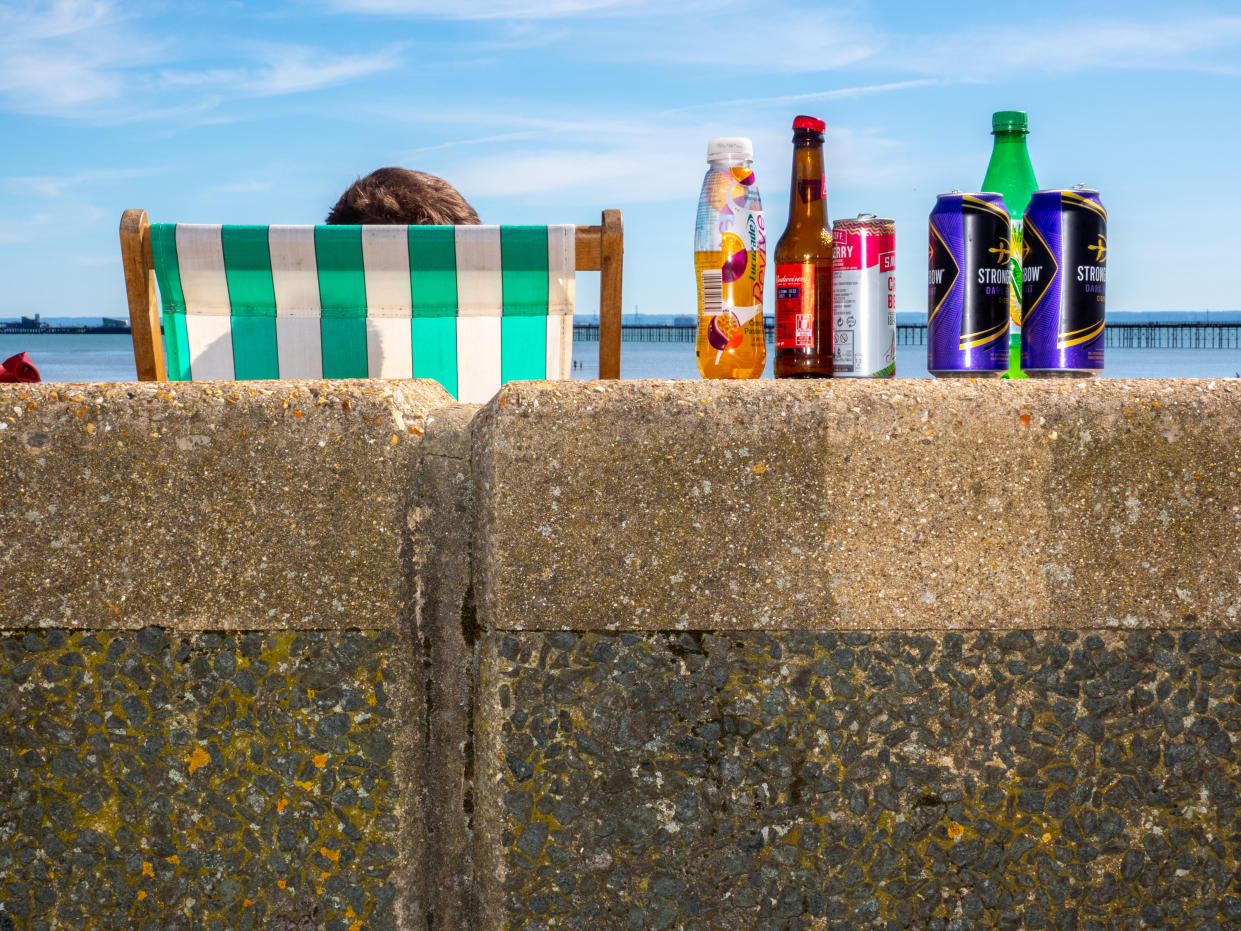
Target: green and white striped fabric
[{"x": 473, "y": 307}]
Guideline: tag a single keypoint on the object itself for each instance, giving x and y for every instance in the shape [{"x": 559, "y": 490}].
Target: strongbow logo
[
  {"x": 1003, "y": 253},
  {"x": 1099, "y": 249}
]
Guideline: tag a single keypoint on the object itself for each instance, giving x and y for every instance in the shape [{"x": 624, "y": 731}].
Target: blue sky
[{"x": 551, "y": 110}]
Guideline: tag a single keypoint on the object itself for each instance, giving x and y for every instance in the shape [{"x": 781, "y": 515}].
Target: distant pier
[
  {"x": 1118, "y": 335},
  {"x": 45, "y": 330}
]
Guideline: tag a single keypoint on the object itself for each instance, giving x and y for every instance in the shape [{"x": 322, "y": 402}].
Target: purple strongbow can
[
  {"x": 967, "y": 286},
  {"x": 1064, "y": 280}
]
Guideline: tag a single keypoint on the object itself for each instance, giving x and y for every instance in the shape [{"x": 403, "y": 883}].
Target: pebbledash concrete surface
[{"x": 835, "y": 655}]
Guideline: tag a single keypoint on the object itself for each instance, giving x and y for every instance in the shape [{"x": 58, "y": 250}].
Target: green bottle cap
[{"x": 1010, "y": 121}]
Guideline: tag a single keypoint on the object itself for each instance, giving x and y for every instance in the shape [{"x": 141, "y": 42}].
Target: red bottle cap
[{"x": 809, "y": 122}]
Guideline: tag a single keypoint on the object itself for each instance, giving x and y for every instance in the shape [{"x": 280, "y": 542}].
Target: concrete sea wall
[
  {"x": 209, "y": 678},
  {"x": 623, "y": 655}
]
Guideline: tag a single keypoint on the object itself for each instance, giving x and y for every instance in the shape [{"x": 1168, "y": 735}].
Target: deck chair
[{"x": 472, "y": 307}]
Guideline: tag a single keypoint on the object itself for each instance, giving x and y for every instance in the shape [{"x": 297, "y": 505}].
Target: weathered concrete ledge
[
  {"x": 858, "y": 656},
  {"x": 630, "y": 655},
  {"x": 263, "y": 505},
  {"x": 210, "y": 779},
  {"x": 211, "y": 673},
  {"x": 741, "y": 780},
  {"x": 860, "y": 505}
]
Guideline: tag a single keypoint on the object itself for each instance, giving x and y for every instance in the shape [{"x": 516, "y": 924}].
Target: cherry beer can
[
  {"x": 864, "y": 297},
  {"x": 967, "y": 286},
  {"x": 1063, "y": 284}
]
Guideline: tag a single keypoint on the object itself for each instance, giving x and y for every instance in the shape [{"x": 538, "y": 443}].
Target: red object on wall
[{"x": 18, "y": 368}]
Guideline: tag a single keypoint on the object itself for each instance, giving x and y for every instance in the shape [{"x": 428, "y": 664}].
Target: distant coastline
[
  {"x": 906, "y": 318},
  {"x": 27, "y": 326},
  {"x": 53, "y": 330},
  {"x": 36, "y": 325}
]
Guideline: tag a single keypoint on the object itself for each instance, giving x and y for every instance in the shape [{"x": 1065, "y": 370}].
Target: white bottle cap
[{"x": 730, "y": 147}]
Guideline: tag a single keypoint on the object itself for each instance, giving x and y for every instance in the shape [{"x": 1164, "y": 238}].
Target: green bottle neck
[{"x": 1010, "y": 173}]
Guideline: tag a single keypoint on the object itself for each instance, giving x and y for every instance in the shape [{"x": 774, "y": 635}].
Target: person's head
[{"x": 398, "y": 195}]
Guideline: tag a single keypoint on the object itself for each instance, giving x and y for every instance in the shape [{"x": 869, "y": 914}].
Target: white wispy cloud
[
  {"x": 295, "y": 70},
  {"x": 784, "y": 39},
  {"x": 837, "y": 93},
  {"x": 630, "y": 160},
  {"x": 91, "y": 60},
  {"x": 284, "y": 69},
  {"x": 57, "y": 185},
  {"x": 66, "y": 56},
  {"x": 56, "y": 19},
  {"x": 576, "y": 154},
  {"x": 14, "y": 232},
  {"x": 476, "y": 140},
  {"x": 797, "y": 38},
  {"x": 43, "y": 224},
  {"x": 781, "y": 37},
  {"x": 484, "y": 9},
  {"x": 558, "y": 152},
  {"x": 1190, "y": 43}
]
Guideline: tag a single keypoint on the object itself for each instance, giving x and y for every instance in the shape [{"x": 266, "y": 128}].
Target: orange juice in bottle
[{"x": 730, "y": 264}]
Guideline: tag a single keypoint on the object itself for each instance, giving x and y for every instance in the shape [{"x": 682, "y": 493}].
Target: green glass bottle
[{"x": 1010, "y": 173}]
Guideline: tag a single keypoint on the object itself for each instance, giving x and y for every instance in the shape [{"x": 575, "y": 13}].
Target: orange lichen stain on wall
[
  {"x": 246, "y": 903},
  {"x": 333, "y": 855},
  {"x": 306, "y": 784},
  {"x": 141, "y": 895},
  {"x": 174, "y": 859},
  {"x": 282, "y": 884},
  {"x": 955, "y": 830},
  {"x": 320, "y": 760},
  {"x": 281, "y": 805},
  {"x": 147, "y": 869},
  {"x": 198, "y": 759}
]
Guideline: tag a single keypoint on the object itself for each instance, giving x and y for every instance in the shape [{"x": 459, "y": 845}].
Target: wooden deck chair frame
[{"x": 598, "y": 249}]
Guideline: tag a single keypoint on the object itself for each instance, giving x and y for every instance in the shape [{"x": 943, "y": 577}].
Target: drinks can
[
  {"x": 864, "y": 297},
  {"x": 1064, "y": 284},
  {"x": 968, "y": 277}
]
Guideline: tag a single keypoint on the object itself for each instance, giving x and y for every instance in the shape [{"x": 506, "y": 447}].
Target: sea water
[
  {"x": 85, "y": 357},
  {"x": 74, "y": 357}
]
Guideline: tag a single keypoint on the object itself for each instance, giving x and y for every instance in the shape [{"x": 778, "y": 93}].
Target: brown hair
[{"x": 398, "y": 195}]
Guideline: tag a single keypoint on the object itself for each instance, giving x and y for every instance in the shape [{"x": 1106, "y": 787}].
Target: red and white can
[{"x": 864, "y": 297}]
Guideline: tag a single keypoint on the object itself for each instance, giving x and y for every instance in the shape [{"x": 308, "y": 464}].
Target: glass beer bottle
[{"x": 804, "y": 264}]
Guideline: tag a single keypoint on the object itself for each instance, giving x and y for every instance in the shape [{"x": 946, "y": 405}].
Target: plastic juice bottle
[
  {"x": 1010, "y": 173},
  {"x": 730, "y": 264}
]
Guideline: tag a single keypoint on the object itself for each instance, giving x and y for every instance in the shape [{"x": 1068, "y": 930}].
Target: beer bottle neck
[{"x": 808, "y": 190}]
